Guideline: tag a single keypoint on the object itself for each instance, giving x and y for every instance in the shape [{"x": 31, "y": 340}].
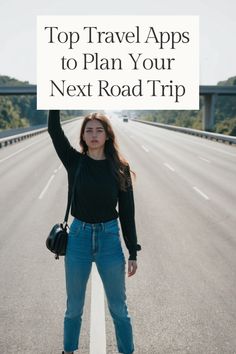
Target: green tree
[{"x": 20, "y": 111}]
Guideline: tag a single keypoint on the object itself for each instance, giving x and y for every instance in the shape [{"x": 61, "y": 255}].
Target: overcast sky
[{"x": 217, "y": 30}]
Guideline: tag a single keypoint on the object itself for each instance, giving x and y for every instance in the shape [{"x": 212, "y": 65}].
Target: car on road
[{"x": 125, "y": 119}]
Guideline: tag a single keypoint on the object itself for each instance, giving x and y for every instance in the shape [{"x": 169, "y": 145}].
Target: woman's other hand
[{"x": 132, "y": 267}]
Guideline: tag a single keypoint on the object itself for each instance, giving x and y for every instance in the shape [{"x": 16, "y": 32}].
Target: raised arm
[
  {"x": 126, "y": 211},
  {"x": 64, "y": 150}
]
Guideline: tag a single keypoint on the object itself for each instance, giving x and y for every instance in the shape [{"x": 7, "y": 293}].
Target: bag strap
[{"x": 70, "y": 195}]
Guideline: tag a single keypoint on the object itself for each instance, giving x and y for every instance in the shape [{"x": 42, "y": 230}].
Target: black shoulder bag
[{"x": 56, "y": 241}]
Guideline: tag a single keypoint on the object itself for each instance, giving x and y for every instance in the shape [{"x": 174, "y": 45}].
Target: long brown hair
[{"x": 119, "y": 165}]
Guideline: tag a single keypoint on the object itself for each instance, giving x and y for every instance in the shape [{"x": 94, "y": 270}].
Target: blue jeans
[{"x": 98, "y": 243}]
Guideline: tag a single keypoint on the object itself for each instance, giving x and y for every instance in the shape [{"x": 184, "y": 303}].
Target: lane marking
[
  {"x": 201, "y": 193},
  {"x": 46, "y": 187},
  {"x": 58, "y": 168},
  {"x": 224, "y": 152},
  {"x": 97, "y": 315},
  {"x": 50, "y": 180},
  {"x": 18, "y": 151},
  {"x": 212, "y": 148},
  {"x": 168, "y": 166},
  {"x": 203, "y": 159},
  {"x": 144, "y": 148},
  {"x": 187, "y": 136}
]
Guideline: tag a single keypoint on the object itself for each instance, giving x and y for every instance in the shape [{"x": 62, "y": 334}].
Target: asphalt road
[{"x": 183, "y": 296}]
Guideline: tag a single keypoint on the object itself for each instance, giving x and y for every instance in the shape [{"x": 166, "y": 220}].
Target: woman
[{"x": 104, "y": 179}]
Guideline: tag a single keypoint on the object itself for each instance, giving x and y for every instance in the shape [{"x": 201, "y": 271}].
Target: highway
[{"x": 182, "y": 298}]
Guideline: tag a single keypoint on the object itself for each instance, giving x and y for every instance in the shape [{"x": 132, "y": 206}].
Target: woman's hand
[{"x": 132, "y": 267}]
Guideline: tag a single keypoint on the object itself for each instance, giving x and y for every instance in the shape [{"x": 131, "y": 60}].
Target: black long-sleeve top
[{"x": 96, "y": 190}]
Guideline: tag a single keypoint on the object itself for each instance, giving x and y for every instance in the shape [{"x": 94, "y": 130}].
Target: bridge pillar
[{"x": 208, "y": 112}]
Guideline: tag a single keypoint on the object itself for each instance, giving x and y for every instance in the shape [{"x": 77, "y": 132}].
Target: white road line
[
  {"x": 201, "y": 193},
  {"x": 97, "y": 315},
  {"x": 18, "y": 151},
  {"x": 168, "y": 166},
  {"x": 223, "y": 152},
  {"x": 144, "y": 148},
  {"x": 50, "y": 180},
  {"x": 46, "y": 187},
  {"x": 58, "y": 168},
  {"x": 212, "y": 148},
  {"x": 203, "y": 159}
]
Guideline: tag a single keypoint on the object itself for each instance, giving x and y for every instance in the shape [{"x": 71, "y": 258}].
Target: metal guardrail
[
  {"x": 9, "y": 140},
  {"x": 203, "y": 90},
  {"x": 18, "y": 137},
  {"x": 14, "y": 131},
  {"x": 213, "y": 136},
  {"x": 218, "y": 137}
]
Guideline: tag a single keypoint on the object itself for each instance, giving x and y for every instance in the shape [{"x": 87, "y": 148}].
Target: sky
[{"x": 217, "y": 30}]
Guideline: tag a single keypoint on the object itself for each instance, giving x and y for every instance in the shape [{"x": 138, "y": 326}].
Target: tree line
[
  {"x": 20, "y": 111},
  {"x": 225, "y": 114}
]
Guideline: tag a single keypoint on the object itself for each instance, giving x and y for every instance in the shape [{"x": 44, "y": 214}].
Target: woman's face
[{"x": 94, "y": 134}]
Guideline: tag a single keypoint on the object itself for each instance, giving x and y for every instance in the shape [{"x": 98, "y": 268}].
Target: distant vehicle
[{"x": 125, "y": 119}]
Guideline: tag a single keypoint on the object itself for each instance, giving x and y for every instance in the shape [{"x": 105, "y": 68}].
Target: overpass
[{"x": 209, "y": 93}]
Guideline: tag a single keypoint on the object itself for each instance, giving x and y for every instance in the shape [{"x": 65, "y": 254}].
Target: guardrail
[
  {"x": 205, "y": 90},
  {"x": 213, "y": 136},
  {"x": 18, "y": 137}
]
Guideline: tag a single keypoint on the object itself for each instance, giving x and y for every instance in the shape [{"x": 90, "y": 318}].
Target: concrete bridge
[{"x": 209, "y": 93}]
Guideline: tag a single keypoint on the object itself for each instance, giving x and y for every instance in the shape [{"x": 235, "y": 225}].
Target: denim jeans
[{"x": 99, "y": 243}]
